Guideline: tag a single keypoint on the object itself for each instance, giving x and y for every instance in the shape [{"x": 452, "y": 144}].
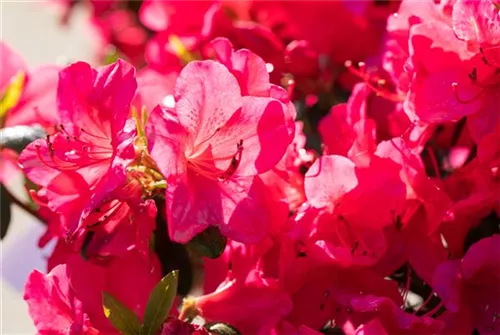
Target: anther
[
  {"x": 461, "y": 100},
  {"x": 354, "y": 247},
  {"x": 375, "y": 83},
  {"x": 235, "y": 162},
  {"x": 483, "y": 57},
  {"x": 473, "y": 75}
]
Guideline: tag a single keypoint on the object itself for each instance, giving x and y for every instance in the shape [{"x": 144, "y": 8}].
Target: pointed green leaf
[
  {"x": 159, "y": 303},
  {"x": 209, "y": 243},
  {"x": 5, "y": 212},
  {"x": 122, "y": 318}
]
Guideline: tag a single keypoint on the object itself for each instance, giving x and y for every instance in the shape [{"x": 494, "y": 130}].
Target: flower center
[
  {"x": 207, "y": 165},
  {"x": 144, "y": 169}
]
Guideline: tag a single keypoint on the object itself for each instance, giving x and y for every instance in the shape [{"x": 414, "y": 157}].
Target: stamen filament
[
  {"x": 424, "y": 303},
  {"x": 434, "y": 310},
  {"x": 461, "y": 100},
  {"x": 368, "y": 79}
]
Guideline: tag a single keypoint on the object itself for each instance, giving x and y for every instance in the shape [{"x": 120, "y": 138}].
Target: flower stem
[{"x": 23, "y": 205}]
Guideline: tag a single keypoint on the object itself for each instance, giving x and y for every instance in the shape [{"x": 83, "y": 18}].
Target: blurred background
[{"x": 32, "y": 28}]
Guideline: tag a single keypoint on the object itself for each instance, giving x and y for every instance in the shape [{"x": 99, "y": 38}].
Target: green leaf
[
  {"x": 209, "y": 243},
  {"x": 5, "y": 212},
  {"x": 159, "y": 303},
  {"x": 122, "y": 318},
  {"x": 111, "y": 54},
  {"x": 221, "y": 329}
]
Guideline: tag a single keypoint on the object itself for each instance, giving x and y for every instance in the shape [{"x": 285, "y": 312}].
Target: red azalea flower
[
  {"x": 85, "y": 166},
  {"x": 210, "y": 147}
]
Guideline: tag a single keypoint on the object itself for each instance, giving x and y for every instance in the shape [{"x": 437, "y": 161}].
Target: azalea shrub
[{"x": 263, "y": 167}]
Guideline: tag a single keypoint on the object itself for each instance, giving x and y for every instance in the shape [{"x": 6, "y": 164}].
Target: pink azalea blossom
[
  {"x": 210, "y": 147},
  {"x": 83, "y": 166},
  {"x": 346, "y": 152}
]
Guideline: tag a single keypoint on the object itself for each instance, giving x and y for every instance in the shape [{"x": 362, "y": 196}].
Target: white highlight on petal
[
  {"x": 169, "y": 101},
  {"x": 269, "y": 67}
]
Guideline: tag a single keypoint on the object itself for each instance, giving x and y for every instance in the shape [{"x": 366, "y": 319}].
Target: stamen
[
  {"x": 68, "y": 135},
  {"x": 93, "y": 135},
  {"x": 199, "y": 170},
  {"x": 112, "y": 210},
  {"x": 473, "y": 75},
  {"x": 435, "y": 309},
  {"x": 425, "y": 302},
  {"x": 340, "y": 234},
  {"x": 197, "y": 146},
  {"x": 374, "y": 82},
  {"x": 213, "y": 159},
  {"x": 36, "y": 199},
  {"x": 408, "y": 283},
  {"x": 98, "y": 222},
  {"x": 463, "y": 101},
  {"x": 85, "y": 144},
  {"x": 49, "y": 145},
  {"x": 346, "y": 231},
  {"x": 434, "y": 162},
  {"x": 485, "y": 61},
  {"x": 235, "y": 162},
  {"x": 54, "y": 164}
]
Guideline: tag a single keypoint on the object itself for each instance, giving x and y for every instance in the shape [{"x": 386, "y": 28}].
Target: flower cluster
[{"x": 308, "y": 167}]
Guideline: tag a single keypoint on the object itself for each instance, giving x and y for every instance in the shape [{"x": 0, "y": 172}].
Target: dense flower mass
[{"x": 265, "y": 167}]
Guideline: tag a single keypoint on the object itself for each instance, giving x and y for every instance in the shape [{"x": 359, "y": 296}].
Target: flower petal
[
  {"x": 328, "y": 179},
  {"x": 207, "y": 95}
]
